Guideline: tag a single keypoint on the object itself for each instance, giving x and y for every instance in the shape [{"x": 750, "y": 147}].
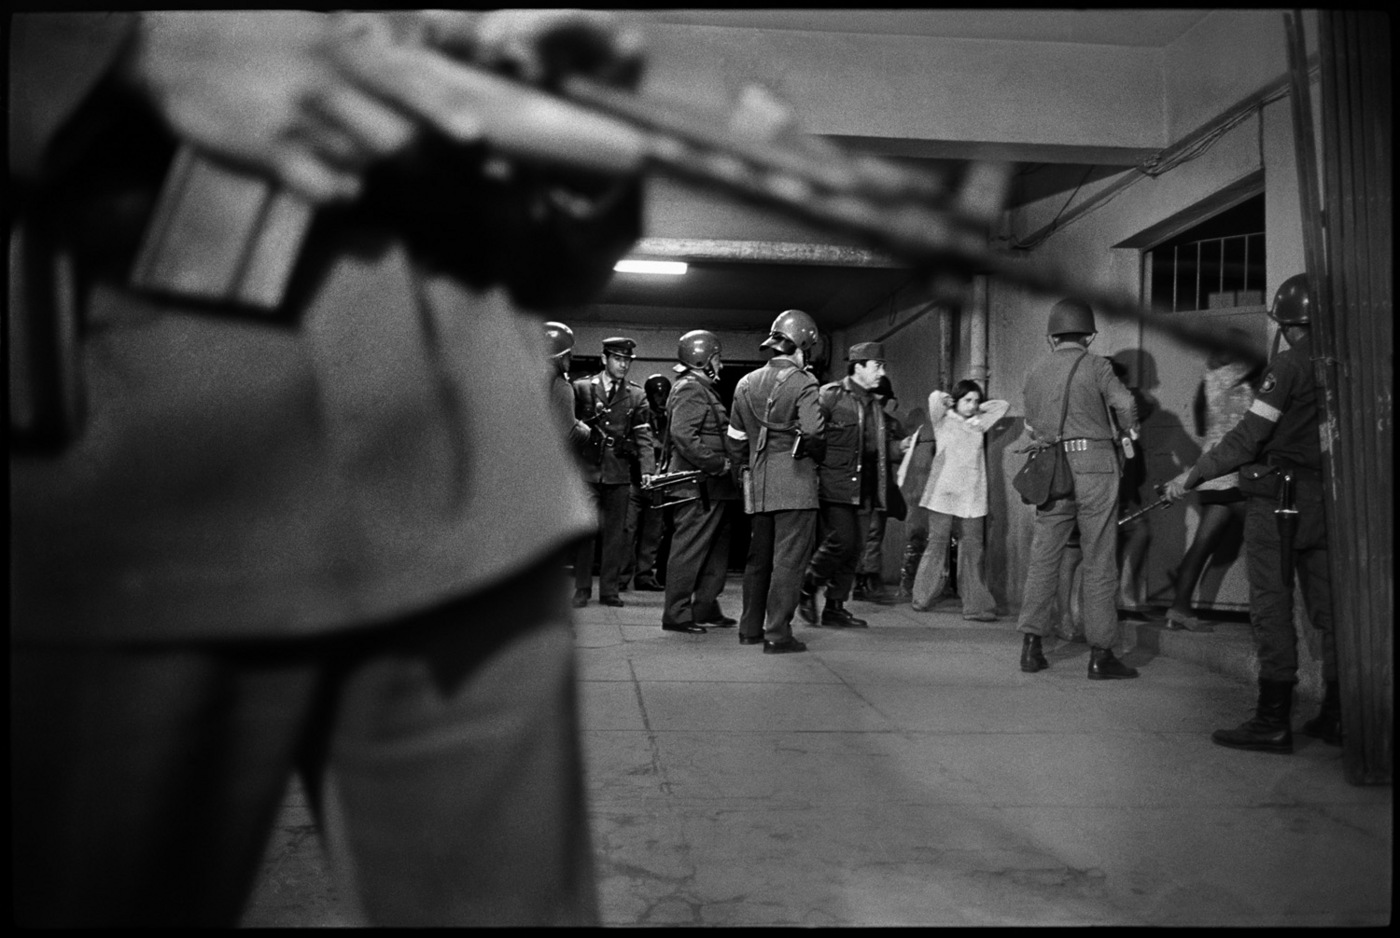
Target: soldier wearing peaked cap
[
  {"x": 618, "y": 456},
  {"x": 856, "y": 481}
]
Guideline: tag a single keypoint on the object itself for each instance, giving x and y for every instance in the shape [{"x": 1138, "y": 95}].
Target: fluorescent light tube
[{"x": 650, "y": 267}]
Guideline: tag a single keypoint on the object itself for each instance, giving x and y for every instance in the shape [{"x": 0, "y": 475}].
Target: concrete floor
[{"x": 911, "y": 774}]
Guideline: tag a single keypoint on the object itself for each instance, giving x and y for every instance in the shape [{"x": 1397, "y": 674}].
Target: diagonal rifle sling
[{"x": 764, "y": 423}]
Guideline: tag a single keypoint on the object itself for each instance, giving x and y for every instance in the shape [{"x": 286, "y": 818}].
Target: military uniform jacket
[
  {"x": 780, "y": 482},
  {"x": 851, "y": 420},
  {"x": 1279, "y": 430},
  {"x": 353, "y": 462},
  {"x": 623, "y": 416},
  {"x": 698, "y": 422},
  {"x": 1094, "y": 392}
]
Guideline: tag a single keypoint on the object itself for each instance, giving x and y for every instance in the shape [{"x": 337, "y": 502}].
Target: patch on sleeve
[{"x": 1269, "y": 383}]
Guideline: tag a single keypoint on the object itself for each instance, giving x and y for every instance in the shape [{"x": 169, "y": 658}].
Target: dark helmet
[
  {"x": 657, "y": 387},
  {"x": 696, "y": 348},
  {"x": 796, "y": 327},
  {"x": 1070, "y": 316},
  {"x": 1293, "y": 303},
  {"x": 559, "y": 337}
]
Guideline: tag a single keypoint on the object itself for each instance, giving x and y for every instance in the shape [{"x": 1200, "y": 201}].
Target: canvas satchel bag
[{"x": 1046, "y": 475}]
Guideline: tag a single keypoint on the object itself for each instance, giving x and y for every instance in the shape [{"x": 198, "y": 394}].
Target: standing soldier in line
[
  {"x": 1277, "y": 449},
  {"x": 1091, "y": 388},
  {"x": 856, "y": 482},
  {"x": 654, "y": 523},
  {"x": 870, "y": 585},
  {"x": 696, "y": 426},
  {"x": 618, "y": 451},
  {"x": 776, "y": 437}
]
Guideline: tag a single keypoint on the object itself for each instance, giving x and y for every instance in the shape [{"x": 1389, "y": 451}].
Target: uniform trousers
[
  {"x": 838, "y": 552},
  {"x": 872, "y": 552},
  {"x": 780, "y": 544},
  {"x": 932, "y": 574},
  {"x": 698, "y": 563},
  {"x": 612, "y": 526},
  {"x": 654, "y": 526},
  {"x": 440, "y": 753},
  {"x": 636, "y": 509},
  {"x": 1094, "y": 507},
  {"x": 1270, "y": 602}
]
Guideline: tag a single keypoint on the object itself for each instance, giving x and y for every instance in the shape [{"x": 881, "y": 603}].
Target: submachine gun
[{"x": 675, "y": 488}]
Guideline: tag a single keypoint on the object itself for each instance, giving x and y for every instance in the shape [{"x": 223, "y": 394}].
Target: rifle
[
  {"x": 1162, "y": 502},
  {"x": 228, "y": 235}
]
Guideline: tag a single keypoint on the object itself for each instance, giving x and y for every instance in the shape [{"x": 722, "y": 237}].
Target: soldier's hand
[
  {"x": 542, "y": 47},
  {"x": 1174, "y": 489},
  {"x": 266, "y": 89}
]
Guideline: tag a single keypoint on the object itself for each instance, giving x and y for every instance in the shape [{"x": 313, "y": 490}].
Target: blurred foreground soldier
[
  {"x": 775, "y": 439},
  {"x": 857, "y": 481},
  {"x": 1092, "y": 451},
  {"x": 319, "y": 541},
  {"x": 653, "y": 522},
  {"x": 1276, "y": 448},
  {"x": 696, "y": 428},
  {"x": 618, "y": 455}
]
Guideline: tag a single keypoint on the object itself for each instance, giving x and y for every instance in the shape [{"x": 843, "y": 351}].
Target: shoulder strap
[{"x": 1064, "y": 404}]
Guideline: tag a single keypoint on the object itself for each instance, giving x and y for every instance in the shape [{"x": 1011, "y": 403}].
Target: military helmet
[
  {"x": 697, "y": 347},
  {"x": 795, "y": 326},
  {"x": 1070, "y": 315},
  {"x": 1293, "y": 302},
  {"x": 657, "y": 387},
  {"x": 559, "y": 337}
]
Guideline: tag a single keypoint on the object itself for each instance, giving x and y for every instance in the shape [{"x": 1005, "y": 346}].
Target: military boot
[
  {"x": 875, "y": 590},
  {"x": 1327, "y": 725},
  {"x": 1032, "y": 657},
  {"x": 836, "y": 615},
  {"x": 807, "y": 600},
  {"x": 1103, "y": 666},
  {"x": 1270, "y": 729}
]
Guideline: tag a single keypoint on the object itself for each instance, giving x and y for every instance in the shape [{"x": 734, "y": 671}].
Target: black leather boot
[
  {"x": 1032, "y": 657},
  {"x": 807, "y": 600},
  {"x": 835, "y": 614},
  {"x": 859, "y": 592},
  {"x": 1327, "y": 725},
  {"x": 875, "y": 590},
  {"x": 1270, "y": 729},
  {"x": 1103, "y": 666}
]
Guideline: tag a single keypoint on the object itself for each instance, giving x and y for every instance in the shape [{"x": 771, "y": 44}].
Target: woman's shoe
[{"x": 1179, "y": 621}]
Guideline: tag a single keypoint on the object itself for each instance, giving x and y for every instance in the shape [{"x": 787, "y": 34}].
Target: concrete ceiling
[{"x": 739, "y": 294}]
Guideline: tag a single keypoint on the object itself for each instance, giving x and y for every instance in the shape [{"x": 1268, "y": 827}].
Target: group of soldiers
[
  {"x": 813, "y": 466},
  {"x": 797, "y": 454}
]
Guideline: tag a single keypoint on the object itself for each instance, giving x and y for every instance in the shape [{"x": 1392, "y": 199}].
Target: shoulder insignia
[{"x": 1268, "y": 384}]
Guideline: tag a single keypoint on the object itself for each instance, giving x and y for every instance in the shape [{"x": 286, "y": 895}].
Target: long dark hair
[{"x": 965, "y": 387}]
